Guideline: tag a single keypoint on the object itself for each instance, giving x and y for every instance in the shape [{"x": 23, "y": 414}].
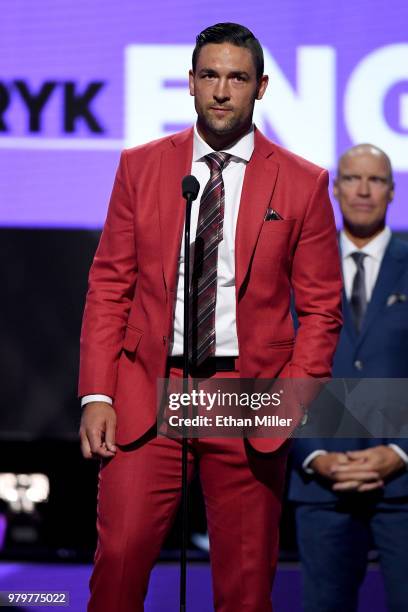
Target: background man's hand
[
  {"x": 381, "y": 460},
  {"x": 346, "y": 472},
  {"x": 97, "y": 430},
  {"x": 326, "y": 465}
]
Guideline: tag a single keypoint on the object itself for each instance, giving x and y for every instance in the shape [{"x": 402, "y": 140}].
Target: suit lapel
[
  {"x": 392, "y": 266},
  {"x": 259, "y": 182},
  {"x": 175, "y": 163},
  {"x": 260, "y": 178}
]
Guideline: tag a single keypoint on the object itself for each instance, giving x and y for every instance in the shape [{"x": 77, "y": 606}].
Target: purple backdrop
[{"x": 79, "y": 81}]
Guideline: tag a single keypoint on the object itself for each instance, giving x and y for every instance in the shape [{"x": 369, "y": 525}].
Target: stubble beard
[{"x": 221, "y": 128}]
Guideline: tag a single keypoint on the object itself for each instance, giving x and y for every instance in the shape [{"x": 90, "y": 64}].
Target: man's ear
[
  {"x": 392, "y": 190},
  {"x": 336, "y": 188},
  {"x": 191, "y": 82},
  {"x": 262, "y": 85}
]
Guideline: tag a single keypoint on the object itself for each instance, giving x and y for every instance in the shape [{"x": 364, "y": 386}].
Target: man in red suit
[{"x": 274, "y": 235}]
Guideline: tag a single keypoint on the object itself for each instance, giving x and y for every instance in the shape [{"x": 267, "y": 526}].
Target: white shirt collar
[
  {"x": 375, "y": 248},
  {"x": 242, "y": 149}
]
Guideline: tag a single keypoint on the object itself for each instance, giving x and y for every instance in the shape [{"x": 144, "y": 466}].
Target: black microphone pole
[{"x": 190, "y": 187}]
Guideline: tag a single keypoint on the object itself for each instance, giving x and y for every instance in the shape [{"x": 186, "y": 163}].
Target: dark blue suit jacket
[{"x": 380, "y": 351}]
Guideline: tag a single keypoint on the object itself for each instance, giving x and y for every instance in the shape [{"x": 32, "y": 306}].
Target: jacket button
[
  {"x": 304, "y": 418},
  {"x": 358, "y": 364}
]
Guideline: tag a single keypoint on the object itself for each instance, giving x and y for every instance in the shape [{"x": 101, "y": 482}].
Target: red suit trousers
[{"x": 139, "y": 493}]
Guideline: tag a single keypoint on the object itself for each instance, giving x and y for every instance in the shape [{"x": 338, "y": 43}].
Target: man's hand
[
  {"x": 346, "y": 473},
  {"x": 327, "y": 464},
  {"x": 381, "y": 460},
  {"x": 97, "y": 430}
]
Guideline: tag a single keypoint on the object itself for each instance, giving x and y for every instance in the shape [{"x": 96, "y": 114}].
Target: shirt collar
[
  {"x": 242, "y": 149},
  {"x": 375, "y": 248}
]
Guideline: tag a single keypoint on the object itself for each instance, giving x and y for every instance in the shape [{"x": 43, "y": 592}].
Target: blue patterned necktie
[{"x": 358, "y": 300}]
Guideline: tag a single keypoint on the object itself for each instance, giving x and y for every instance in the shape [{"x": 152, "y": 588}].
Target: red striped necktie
[{"x": 203, "y": 291}]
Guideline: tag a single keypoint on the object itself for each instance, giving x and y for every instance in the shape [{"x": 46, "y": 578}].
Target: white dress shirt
[
  {"x": 374, "y": 251},
  {"x": 226, "y": 341}
]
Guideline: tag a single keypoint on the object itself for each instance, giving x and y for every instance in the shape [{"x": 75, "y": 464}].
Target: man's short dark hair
[{"x": 234, "y": 34}]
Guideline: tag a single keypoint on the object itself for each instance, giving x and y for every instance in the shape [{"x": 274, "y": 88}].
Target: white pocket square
[{"x": 394, "y": 298}]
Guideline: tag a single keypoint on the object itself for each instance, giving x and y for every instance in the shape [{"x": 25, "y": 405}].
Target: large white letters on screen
[
  {"x": 303, "y": 115},
  {"x": 149, "y": 105},
  {"x": 364, "y": 102},
  {"x": 303, "y": 118}
]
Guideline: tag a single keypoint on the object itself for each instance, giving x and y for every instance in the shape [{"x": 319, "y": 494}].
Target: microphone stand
[{"x": 189, "y": 195}]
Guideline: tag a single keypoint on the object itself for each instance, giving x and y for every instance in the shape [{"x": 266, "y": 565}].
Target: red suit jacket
[{"x": 129, "y": 309}]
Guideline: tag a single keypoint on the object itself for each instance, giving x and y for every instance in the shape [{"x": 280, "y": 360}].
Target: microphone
[{"x": 190, "y": 187}]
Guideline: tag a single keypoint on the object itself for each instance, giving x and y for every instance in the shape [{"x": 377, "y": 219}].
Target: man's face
[
  {"x": 364, "y": 189},
  {"x": 225, "y": 88}
]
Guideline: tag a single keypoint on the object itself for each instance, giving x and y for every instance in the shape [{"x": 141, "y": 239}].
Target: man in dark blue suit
[{"x": 352, "y": 494}]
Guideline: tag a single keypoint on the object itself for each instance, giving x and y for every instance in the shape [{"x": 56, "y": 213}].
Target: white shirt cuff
[
  {"x": 309, "y": 459},
  {"x": 400, "y": 452},
  {"x": 95, "y": 398}
]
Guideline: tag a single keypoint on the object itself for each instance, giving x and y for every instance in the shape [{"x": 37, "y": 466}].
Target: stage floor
[{"x": 31, "y": 577}]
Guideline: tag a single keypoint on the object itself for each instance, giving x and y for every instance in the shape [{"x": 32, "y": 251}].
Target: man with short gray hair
[{"x": 352, "y": 494}]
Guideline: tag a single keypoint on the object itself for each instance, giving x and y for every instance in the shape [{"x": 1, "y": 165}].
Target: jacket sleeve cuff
[
  {"x": 95, "y": 398},
  {"x": 309, "y": 459},
  {"x": 400, "y": 452}
]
